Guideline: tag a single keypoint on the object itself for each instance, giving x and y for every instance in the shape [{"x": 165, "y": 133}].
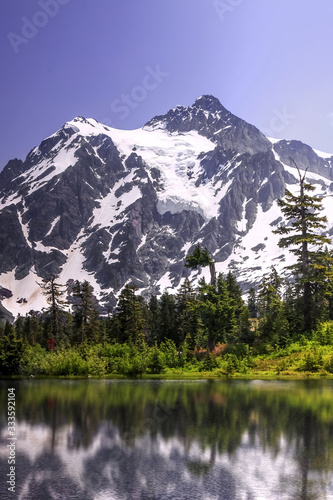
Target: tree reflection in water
[{"x": 112, "y": 440}]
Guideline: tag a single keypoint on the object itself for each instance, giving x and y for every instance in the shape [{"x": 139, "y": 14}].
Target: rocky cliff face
[{"x": 115, "y": 206}]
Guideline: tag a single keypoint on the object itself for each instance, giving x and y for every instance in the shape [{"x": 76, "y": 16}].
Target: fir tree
[
  {"x": 85, "y": 311},
  {"x": 187, "y": 317},
  {"x": 301, "y": 236},
  {"x": 153, "y": 319},
  {"x": 167, "y": 318},
  {"x": 54, "y": 293},
  {"x": 273, "y": 325},
  {"x": 235, "y": 293},
  {"x": 252, "y": 303},
  {"x": 130, "y": 316},
  {"x": 321, "y": 274},
  {"x": 202, "y": 258},
  {"x": 246, "y": 334},
  {"x": 11, "y": 351},
  {"x": 293, "y": 307},
  {"x": 33, "y": 328},
  {"x": 217, "y": 312}
]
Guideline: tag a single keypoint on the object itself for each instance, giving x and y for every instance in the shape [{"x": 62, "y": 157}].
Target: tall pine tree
[
  {"x": 301, "y": 236},
  {"x": 273, "y": 324},
  {"x": 85, "y": 311},
  {"x": 54, "y": 293},
  {"x": 130, "y": 316}
]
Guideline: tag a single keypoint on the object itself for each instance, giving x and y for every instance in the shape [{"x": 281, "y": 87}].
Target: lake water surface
[{"x": 169, "y": 440}]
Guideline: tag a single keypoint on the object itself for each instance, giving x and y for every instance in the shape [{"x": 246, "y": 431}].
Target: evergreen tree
[
  {"x": 273, "y": 325},
  {"x": 252, "y": 303},
  {"x": 11, "y": 351},
  {"x": 153, "y": 319},
  {"x": 54, "y": 296},
  {"x": 33, "y": 329},
  {"x": 19, "y": 327},
  {"x": 167, "y": 319},
  {"x": 235, "y": 293},
  {"x": 202, "y": 258},
  {"x": 85, "y": 311},
  {"x": 113, "y": 328},
  {"x": 188, "y": 323},
  {"x": 130, "y": 316},
  {"x": 293, "y": 307},
  {"x": 217, "y": 312},
  {"x": 230, "y": 304},
  {"x": 322, "y": 285},
  {"x": 301, "y": 234},
  {"x": 246, "y": 334}
]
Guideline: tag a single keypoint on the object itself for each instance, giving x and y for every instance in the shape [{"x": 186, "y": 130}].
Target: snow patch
[{"x": 27, "y": 291}]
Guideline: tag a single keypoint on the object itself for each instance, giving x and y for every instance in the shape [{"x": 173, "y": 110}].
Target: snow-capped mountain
[{"x": 118, "y": 206}]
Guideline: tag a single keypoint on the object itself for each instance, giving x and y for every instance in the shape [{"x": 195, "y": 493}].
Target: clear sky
[{"x": 125, "y": 61}]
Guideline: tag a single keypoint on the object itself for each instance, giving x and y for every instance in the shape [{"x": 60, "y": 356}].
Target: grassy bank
[{"x": 303, "y": 359}]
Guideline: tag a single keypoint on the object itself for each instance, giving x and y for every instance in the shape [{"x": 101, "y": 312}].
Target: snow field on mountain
[
  {"x": 27, "y": 289},
  {"x": 322, "y": 154},
  {"x": 250, "y": 262},
  {"x": 74, "y": 266},
  {"x": 160, "y": 149},
  {"x": 174, "y": 155}
]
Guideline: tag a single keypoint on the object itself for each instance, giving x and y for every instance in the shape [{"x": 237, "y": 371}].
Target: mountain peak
[
  {"x": 209, "y": 103},
  {"x": 80, "y": 118}
]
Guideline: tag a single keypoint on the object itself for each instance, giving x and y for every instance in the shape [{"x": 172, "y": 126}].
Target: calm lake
[{"x": 169, "y": 440}]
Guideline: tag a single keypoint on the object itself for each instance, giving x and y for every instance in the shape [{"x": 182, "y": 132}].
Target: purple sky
[{"x": 125, "y": 61}]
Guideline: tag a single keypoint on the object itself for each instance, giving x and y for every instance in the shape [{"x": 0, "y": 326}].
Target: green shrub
[
  {"x": 132, "y": 367},
  {"x": 240, "y": 350},
  {"x": 114, "y": 355},
  {"x": 324, "y": 333},
  {"x": 209, "y": 363},
  {"x": 34, "y": 360},
  {"x": 170, "y": 352},
  {"x": 67, "y": 362},
  {"x": 230, "y": 364},
  {"x": 97, "y": 366},
  {"x": 328, "y": 365},
  {"x": 156, "y": 361},
  {"x": 311, "y": 362}
]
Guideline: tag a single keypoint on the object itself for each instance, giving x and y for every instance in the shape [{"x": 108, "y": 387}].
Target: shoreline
[{"x": 182, "y": 376}]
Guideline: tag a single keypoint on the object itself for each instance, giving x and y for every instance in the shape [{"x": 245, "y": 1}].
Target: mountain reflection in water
[{"x": 165, "y": 440}]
